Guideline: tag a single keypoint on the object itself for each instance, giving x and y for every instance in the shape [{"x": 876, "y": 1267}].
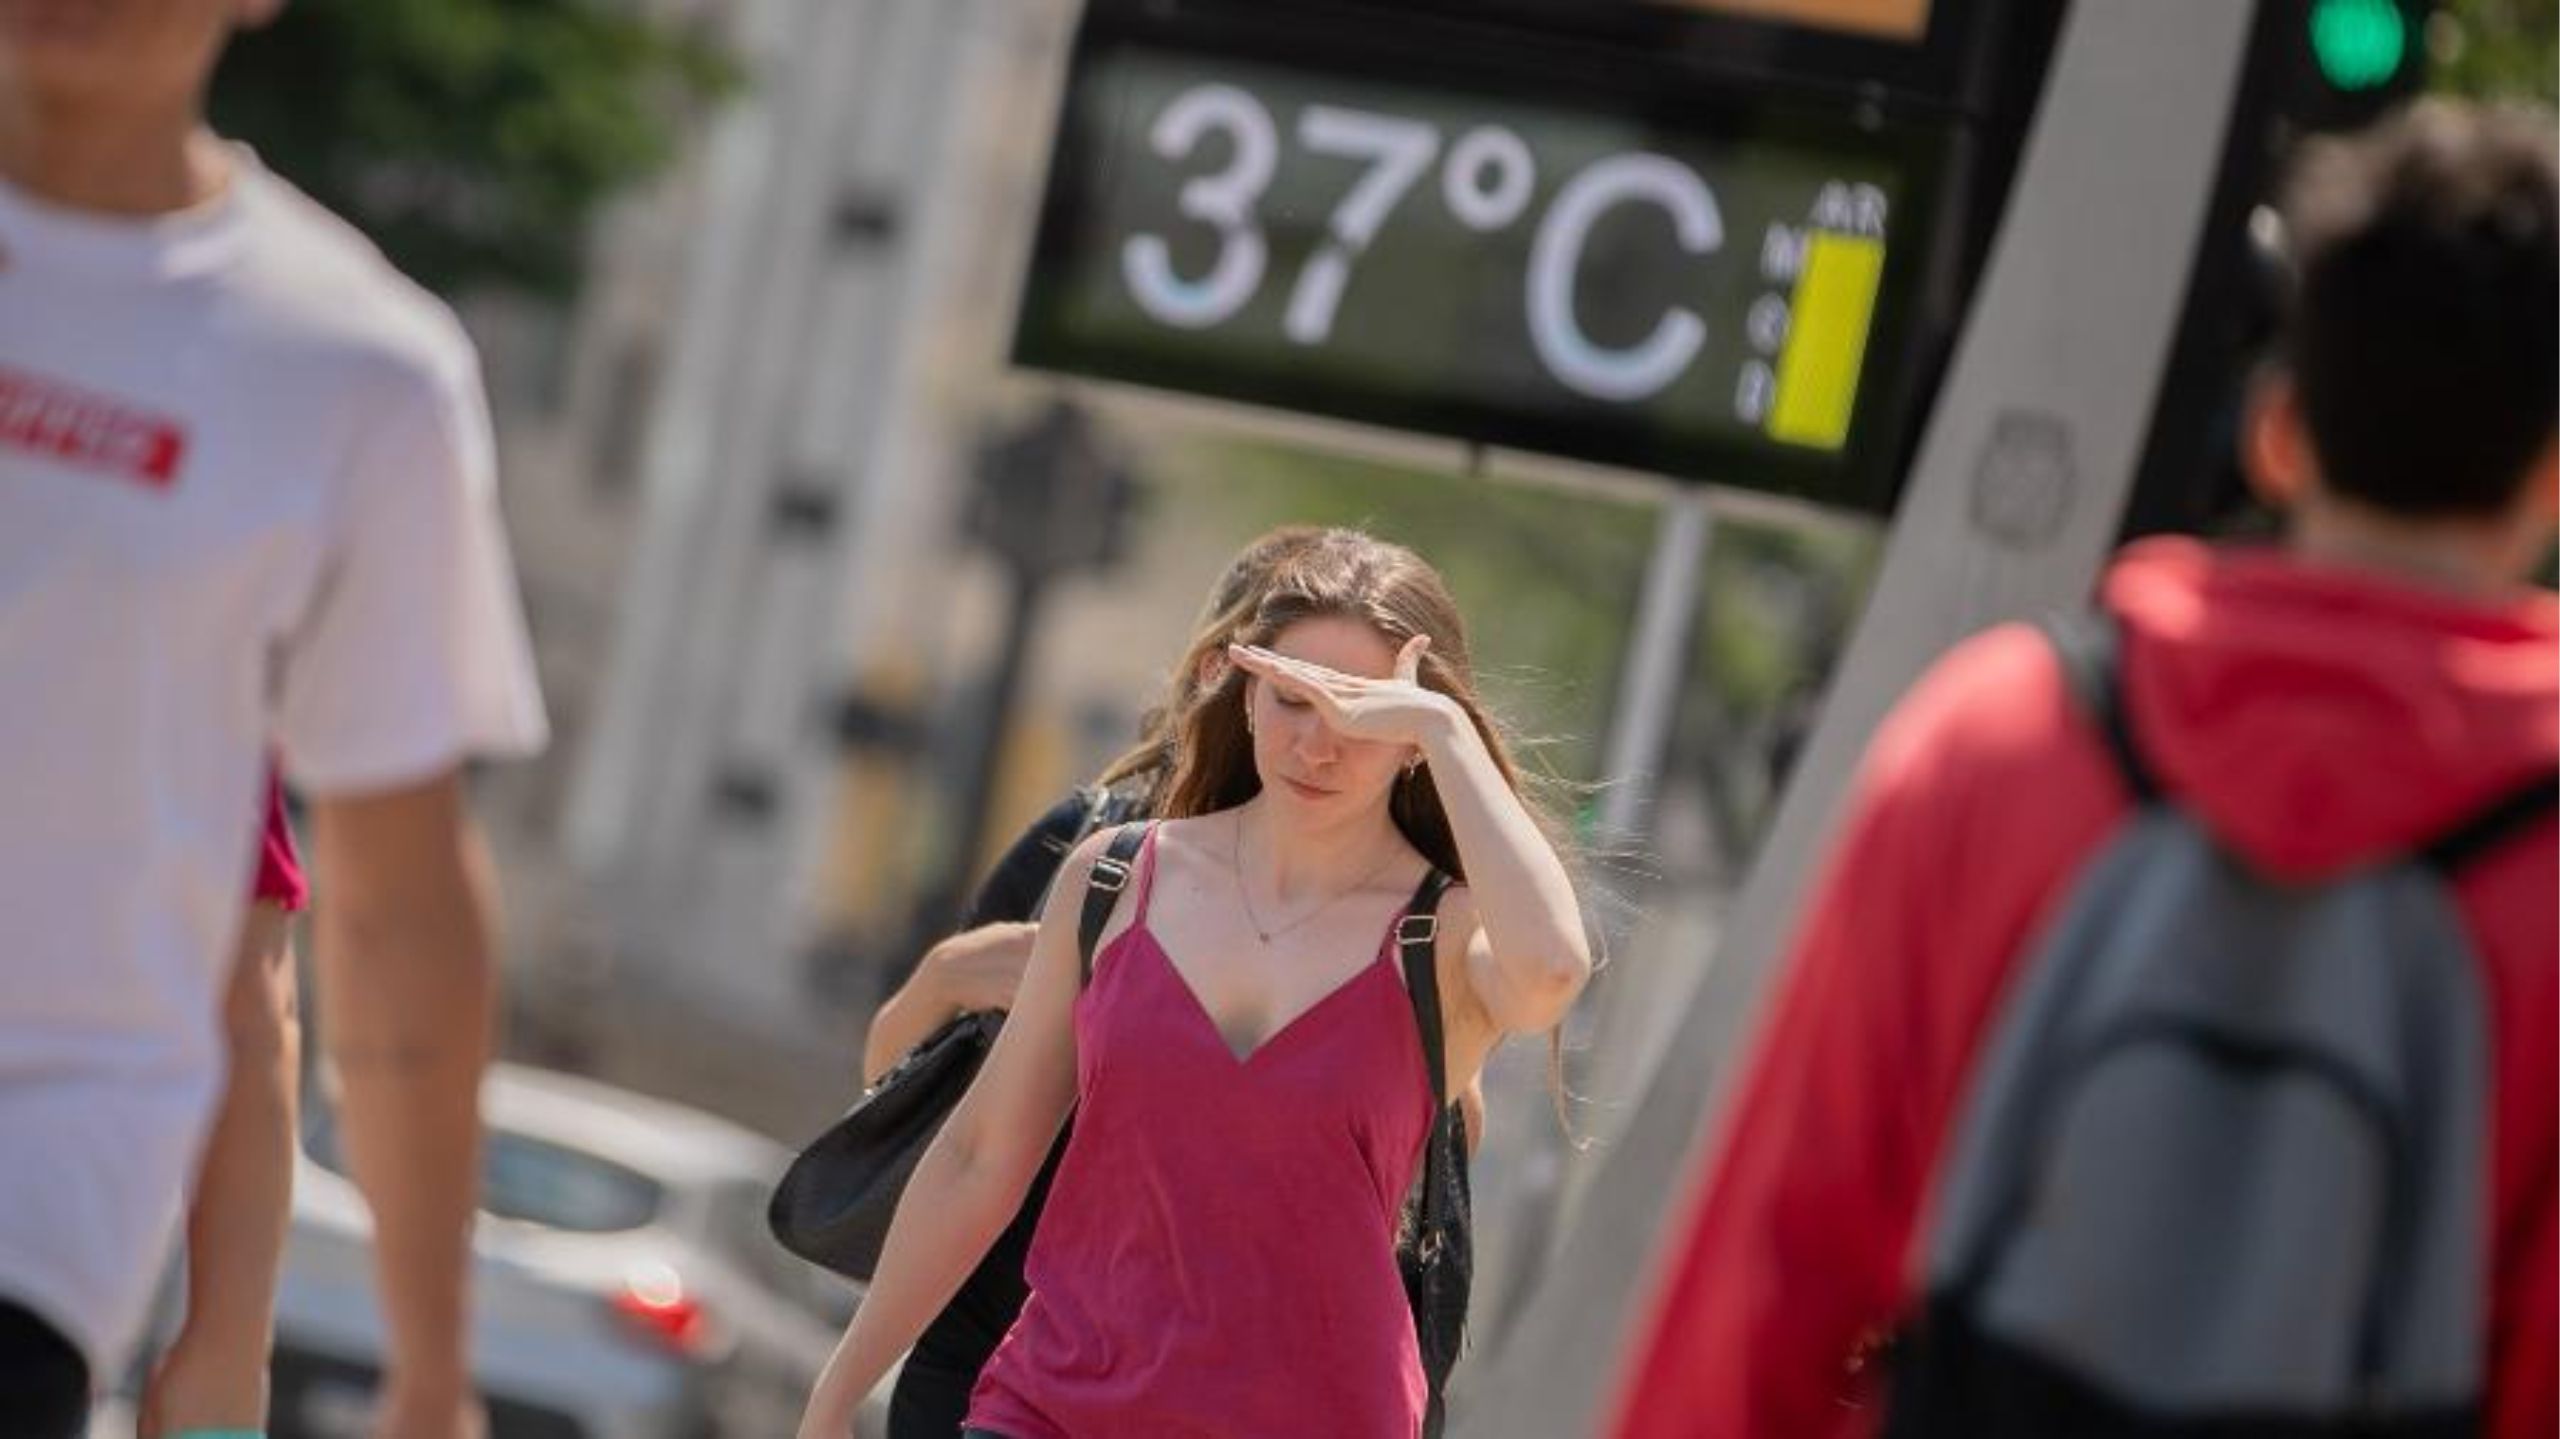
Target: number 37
[{"x": 1399, "y": 151}]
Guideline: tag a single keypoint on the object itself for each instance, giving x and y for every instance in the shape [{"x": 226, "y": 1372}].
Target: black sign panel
[{"x": 1705, "y": 286}]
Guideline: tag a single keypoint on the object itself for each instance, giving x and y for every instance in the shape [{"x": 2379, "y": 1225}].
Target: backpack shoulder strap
[
  {"x": 1090, "y": 808},
  {"x": 1111, "y": 871},
  {"x": 1418, "y": 948},
  {"x": 2090, "y": 646},
  {"x": 2511, "y": 814}
]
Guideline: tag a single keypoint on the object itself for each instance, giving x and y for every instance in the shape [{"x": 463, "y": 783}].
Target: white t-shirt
[{"x": 246, "y": 499}]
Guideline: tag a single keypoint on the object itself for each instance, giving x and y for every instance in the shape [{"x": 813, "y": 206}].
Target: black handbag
[
  {"x": 835, "y": 1202},
  {"x": 833, "y": 1205}
]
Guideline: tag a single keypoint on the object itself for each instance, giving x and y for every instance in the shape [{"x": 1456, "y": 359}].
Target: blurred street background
[{"x": 830, "y": 596}]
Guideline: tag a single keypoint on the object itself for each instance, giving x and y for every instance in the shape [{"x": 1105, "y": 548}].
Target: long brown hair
[
  {"x": 1341, "y": 573},
  {"x": 1233, "y": 601},
  {"x": 1347, "y": 575}
]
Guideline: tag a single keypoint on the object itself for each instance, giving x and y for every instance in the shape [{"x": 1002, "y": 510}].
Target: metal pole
[{"x": 1657, "y": 662}]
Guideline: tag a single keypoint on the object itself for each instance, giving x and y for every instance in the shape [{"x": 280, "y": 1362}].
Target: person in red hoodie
[{"x": 2336, "y": 701}]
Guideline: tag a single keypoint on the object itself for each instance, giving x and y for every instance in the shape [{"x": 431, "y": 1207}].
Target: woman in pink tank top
[{"x": 1217, "y": 1256}]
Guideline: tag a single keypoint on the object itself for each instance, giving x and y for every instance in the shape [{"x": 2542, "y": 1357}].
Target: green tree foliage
[
  {"x": 2498, "y": 49},
  {"x": 471, "y": 139}
]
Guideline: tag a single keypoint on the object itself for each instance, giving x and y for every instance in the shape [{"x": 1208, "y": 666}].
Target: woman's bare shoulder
[{"x": 1196, "y": 837}]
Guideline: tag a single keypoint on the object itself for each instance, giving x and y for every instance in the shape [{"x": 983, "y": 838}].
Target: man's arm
[
  {"x": 404, "y": 952},
  {"x": 972, "y": 970},
  {"x": 215, "y": 1373}
]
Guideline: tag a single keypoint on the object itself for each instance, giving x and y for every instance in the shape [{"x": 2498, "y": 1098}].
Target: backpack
[
  {"x": 2221, "y": 1168},
  {"x": 1435, "y": 1238}
]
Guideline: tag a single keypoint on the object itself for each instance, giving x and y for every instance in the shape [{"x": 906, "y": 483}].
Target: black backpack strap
[
  {"x": 2509, "y": 815},
  {"x": 1017, "y": 888},
  {"x": 1111, "y": 871},
  {"x": 1442, "y": 1245},
  {"x": 1418, "y": 948},
  {"x": 2090, "y": 647}
]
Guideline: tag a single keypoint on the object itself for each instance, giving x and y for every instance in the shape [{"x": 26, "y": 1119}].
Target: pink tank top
[{"x": 1218, "y": 1254}]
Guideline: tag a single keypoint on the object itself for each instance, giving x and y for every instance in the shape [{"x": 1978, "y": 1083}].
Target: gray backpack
[{"x": 2222, "y": 1167}]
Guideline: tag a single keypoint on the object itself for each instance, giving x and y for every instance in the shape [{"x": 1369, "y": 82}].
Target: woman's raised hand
[{"x": 1395, "y": 710}]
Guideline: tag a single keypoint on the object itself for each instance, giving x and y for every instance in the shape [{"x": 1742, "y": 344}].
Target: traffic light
[
  {"x": 1051, "y": 498},
  {"x": 2345, "y": 62},
  {"x": 2314, "y": 67},
  {"x": 2360, "y": 45}
]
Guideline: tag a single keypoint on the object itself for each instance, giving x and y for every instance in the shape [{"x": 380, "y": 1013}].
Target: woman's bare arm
[{"x": 972, "y": 1180}]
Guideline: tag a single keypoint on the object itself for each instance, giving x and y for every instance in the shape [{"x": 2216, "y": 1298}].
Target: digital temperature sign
[{"x": 1704, "y": 294}]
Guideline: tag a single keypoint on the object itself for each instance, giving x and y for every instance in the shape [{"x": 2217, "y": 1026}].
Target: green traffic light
[{"x": 2360, "y": 44}]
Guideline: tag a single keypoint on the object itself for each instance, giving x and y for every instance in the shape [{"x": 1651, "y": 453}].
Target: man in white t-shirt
[{"x": 246, "y": 497}]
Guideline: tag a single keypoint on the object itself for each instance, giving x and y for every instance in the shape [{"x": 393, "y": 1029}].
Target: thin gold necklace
[{"x": 1244, "y": 892}]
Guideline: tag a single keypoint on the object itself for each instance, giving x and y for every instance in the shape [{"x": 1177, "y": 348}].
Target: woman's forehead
[{"x": 1338, "y": 643}]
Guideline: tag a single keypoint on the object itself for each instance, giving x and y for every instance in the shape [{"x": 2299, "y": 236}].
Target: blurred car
[{"x": 624, "y": 1284}]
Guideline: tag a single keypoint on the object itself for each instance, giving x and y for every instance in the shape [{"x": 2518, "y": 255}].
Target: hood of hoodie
[{"x": 2317, "y": 719}]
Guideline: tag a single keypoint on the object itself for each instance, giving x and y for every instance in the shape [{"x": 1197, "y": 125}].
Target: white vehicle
[{"x": 624, "y": 1285}]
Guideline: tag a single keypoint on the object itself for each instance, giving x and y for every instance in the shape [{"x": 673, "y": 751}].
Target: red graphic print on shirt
[{"x": 88, "y": 430}]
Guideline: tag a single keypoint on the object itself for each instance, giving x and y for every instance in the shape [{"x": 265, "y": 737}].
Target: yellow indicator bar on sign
[{"x": 1826, "y": 340}]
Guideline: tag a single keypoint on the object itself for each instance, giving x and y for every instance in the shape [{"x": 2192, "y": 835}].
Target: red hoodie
[{"x": 2315, "y": 719}]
